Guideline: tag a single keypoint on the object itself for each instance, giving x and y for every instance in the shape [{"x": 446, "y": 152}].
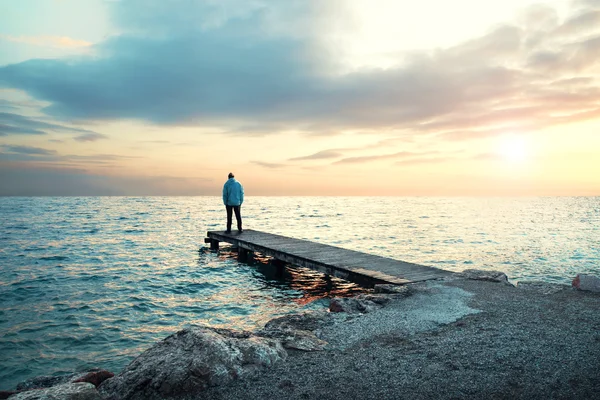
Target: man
[{"x": 233, "y": 197}]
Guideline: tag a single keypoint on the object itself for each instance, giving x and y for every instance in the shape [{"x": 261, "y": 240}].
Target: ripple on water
[{"x": 54, "y": 258}]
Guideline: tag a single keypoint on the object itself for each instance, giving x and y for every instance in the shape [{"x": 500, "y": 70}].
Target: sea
[{"x": 91, "y": 282}]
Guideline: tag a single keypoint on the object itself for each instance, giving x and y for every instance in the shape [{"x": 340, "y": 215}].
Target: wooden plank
[{"x": 333, "y": 260}]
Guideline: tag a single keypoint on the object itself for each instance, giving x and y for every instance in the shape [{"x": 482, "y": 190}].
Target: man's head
[{"x": 230, "y": 175}]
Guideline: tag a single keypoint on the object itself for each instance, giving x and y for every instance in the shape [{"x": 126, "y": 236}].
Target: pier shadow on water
[{"x": 277, "y": 275}]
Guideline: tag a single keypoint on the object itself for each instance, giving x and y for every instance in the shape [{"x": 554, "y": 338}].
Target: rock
[
  {"x": 65, "y": 391},
  {"x": 586, "y": 282},
  {"x": 295, "y": 331},
  {"x": 358, "y": 304},
  {"x": 294, "y": 338},
  {"x": 542, "y": 287},
  {"x": 95, "y": 377},
  {"x": 306, "y": 321},
  {"x": 398, "y": 290},
  {"x": 189, "y": 361},
  {"x": 40, "y": 382},
  {"x": 379, "y": 299},
  {"x": 481, "y": 275}
]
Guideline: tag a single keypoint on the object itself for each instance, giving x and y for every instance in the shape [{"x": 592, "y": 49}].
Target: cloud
[
  {"x": 28, "y": 150},
  {"x": 90, "y": 137},
  {"x": 15, "y": 124},
  {"x": 401, "y": 154},
  {"x": 6, "y": 130},
  {"x": 7, "y": 105},
  {"x": 325, "y": 154},
  {"x": 47, "y": 41},
  {"x": 269, "y": 165},
  {"x": 235, "y": 64},
  {"x": 425, "y": 160}
]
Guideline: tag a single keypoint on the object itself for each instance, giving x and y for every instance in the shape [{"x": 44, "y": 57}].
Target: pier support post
[
  {"x": 245, "y": 255},
  {"x": 279, "y": 267},
  {"x": 214, "y": 244}
]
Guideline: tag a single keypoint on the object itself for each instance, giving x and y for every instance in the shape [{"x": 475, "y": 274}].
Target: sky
[{"x": 300, "y": 97}]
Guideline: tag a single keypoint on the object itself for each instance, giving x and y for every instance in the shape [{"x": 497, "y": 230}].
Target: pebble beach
[{"x": 466, "y": 337}]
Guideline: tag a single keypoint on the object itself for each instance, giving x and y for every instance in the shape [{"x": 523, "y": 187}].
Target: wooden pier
[{"x": 346, "y": 264}]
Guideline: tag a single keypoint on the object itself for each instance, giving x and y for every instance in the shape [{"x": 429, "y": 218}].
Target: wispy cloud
[
  {"x": 16, "y": 124},
  {"x": 28, "y": 150},
  {"x": 398, "y": 155},
  {"x": 321, "y": 155},
  {"x": 47, "y": 41},
  {"x": 90, "y": 137},
  {"x": 425, "y": 160},
  {"x": 7, "y": 105},
  {"x": 269, "y": 165}
]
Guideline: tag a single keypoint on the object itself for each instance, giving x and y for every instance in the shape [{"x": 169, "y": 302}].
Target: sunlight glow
[{"x": 514, "y": 148}]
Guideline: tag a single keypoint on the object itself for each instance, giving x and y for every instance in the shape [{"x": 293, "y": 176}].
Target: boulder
[
  {"x": 296, "y": 339},
  {"x": 307, "y": 321},
  {"x": 359, "y": 304},
  {"x": 397, "y": 290},
  {"x": 95, "y": 377},
  {"x": 296, "y": 331},
  {"x": 482, "y": 275},
  {"x": 41, "y": 382},
  {"x": 189, "y": 361},
  {"x": 586, "y": 282},
  {"x": 64, "y": 391}
]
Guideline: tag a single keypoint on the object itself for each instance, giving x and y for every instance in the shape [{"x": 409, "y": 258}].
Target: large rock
[
  {"x": 363, "y": 303},
  {"x": 189, "y": 361},
  {"x": 94, "y": 376},
  {"x": 482, "y": 275},
  {"x": 296, "y": 339},
  {"x": 590, "y": 283},
  {"x": 296, "y": 331},
  {"x": 65, "y": 391},
  {"x": 396, "y": 290}
]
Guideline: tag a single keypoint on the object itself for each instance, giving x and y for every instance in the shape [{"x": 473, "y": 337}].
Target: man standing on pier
[{"x": 233, "y": 197}]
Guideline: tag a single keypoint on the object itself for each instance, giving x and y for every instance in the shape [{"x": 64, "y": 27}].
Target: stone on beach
[
  {"x": 586, "y": 282},
  {"x": 296, "y": 331},
  {"x": 191, "y": 360},
  {"x": 388, "y": 288},
  {"x": 482, "y": 275},
  {"x": 64, "y": 391},
  {"x": 95, "y": 377},
  {"x": 358, "y": 304},
  {"x": 296, "y": 339}
]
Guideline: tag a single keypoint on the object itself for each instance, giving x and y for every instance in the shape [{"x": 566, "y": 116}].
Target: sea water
[{"x": 93, "y": 281}]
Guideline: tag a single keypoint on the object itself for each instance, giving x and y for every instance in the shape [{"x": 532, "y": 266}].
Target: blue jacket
[{"x": 233, "y": 193}]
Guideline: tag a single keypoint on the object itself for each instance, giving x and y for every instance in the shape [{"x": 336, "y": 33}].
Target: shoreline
[{"x": 463, "y": 337}]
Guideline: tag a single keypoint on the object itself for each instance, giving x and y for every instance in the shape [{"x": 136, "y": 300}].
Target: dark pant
[{"x": 238, "y": 216}]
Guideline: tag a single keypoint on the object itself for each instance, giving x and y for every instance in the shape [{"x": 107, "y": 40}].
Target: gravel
[{"x": 450, "y": 340}]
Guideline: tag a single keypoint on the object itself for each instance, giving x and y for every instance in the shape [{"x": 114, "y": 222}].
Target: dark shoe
[
  {"x": 227, "y": 232},
  {"x": 240, "y": 230}
]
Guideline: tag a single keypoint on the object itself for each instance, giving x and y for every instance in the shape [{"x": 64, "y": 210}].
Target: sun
[{"x": 514, "y": 149}]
